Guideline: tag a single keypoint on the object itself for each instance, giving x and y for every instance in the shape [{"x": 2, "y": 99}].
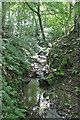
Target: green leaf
[
  {"x": 11, "y": 116},
  {"x": 19, "y": 112},
  {"x": 3, "y": 92},
  {"x": 7, "y": 108},
  {"x": 77, "y": 89},
  {"x": 8, "y": 88},
  {"x": 6, "y": 98}
]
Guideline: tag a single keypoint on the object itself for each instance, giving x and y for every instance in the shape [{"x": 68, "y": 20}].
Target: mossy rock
[
  {"x": 47, "y": 81},
  {"x": 43, "y": 83}
]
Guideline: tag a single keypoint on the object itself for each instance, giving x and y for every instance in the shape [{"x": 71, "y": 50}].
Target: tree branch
[
  {"x": 70, "y": 12},
  {"x": 31, "y": 8}
]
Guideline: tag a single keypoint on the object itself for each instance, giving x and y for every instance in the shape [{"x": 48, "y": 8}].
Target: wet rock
[
  {"x": 61, "y": 113},
  {"x": 43, "y": 83},
  {"x": 27, "y": 82},
  {"x": 52, "y": 114},
  {"x": 35, "y": 74},
  {"x": 42, "y": 57},
  {"x": 46, "y": 95},
  {"x": 45, "y": 73}
]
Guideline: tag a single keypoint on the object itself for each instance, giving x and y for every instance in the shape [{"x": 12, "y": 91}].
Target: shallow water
[
  {"x": 38, "y": 106},
  {"x": 34, "y": 99}
]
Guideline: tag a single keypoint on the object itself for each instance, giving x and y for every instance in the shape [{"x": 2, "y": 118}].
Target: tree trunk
[
  {"x": 18, "y": 22},
  {"x": 9, "y": 11},
  {"x": 45, "y": 20},
  {"x": 40, "y": 22},
  {"x": 0, "y": 20},
  {"x": 3, "y": 17},
  {"x": 77, "y": 18},
  {"x": 36, "y": 31}
]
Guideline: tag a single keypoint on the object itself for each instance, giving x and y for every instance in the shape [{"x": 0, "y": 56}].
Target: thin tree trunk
[
  {"x": 45, "y": 19},
  {"x": 18, "y": 17},
  {"x": 36, "y": 31},
  {"x": 40, "y": 21},
  {"x": 3, "y": 17},
  {"x": 77, "y": 18},
  {"x": 18, "y": 20},
  {"x": 0, "y": 20},
  {"x": 9, "y": 11}
]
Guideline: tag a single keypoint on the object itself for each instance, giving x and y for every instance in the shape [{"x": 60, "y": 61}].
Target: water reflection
[
  {"x": 31, "y": 91},
  {"x": 34, "y": 99}
]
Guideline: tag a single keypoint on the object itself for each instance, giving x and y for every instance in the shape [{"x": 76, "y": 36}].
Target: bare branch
[{"x": 31, "y": 8}]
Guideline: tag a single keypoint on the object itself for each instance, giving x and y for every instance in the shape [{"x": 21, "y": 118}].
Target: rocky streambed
[
  {"x": 36, "y": 97},
  {"x": 45, "y": 101}
]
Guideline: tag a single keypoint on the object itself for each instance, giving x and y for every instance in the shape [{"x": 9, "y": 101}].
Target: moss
[
  {"x": 63, "y": 62},
  {"x": 51, "y": 79},
  {"x": 61, "y": 72}
]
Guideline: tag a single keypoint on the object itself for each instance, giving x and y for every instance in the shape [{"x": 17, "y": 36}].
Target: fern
[
  {"x": 61, "y": 65},
  {"x": 14, "y": 66}
]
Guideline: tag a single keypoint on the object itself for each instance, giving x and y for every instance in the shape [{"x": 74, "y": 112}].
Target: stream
[{"x": 35, "y": 99}]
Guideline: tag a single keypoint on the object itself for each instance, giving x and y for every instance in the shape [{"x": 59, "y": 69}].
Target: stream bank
[
  {"x": 55, "y": 101},
  {"x": 36, "y": 97}
]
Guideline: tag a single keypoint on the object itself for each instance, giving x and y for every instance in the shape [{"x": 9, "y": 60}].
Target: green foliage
[
  {"x": 19, "y": 45},
  {"x": 74, "y": 71},
  {"x": 19, "y": 112},
  {"x": 10, "y": 104},
  {"x": 68, "y": 101},
  {"x": 16, "y": 59},
  {"x": 64, "y": 61},
  {"x": 77, "y": 89},
  {"x": 50, "y": 80},
  {"x": 56, "y": 61},
  {"x": 15, "y": 54}
]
